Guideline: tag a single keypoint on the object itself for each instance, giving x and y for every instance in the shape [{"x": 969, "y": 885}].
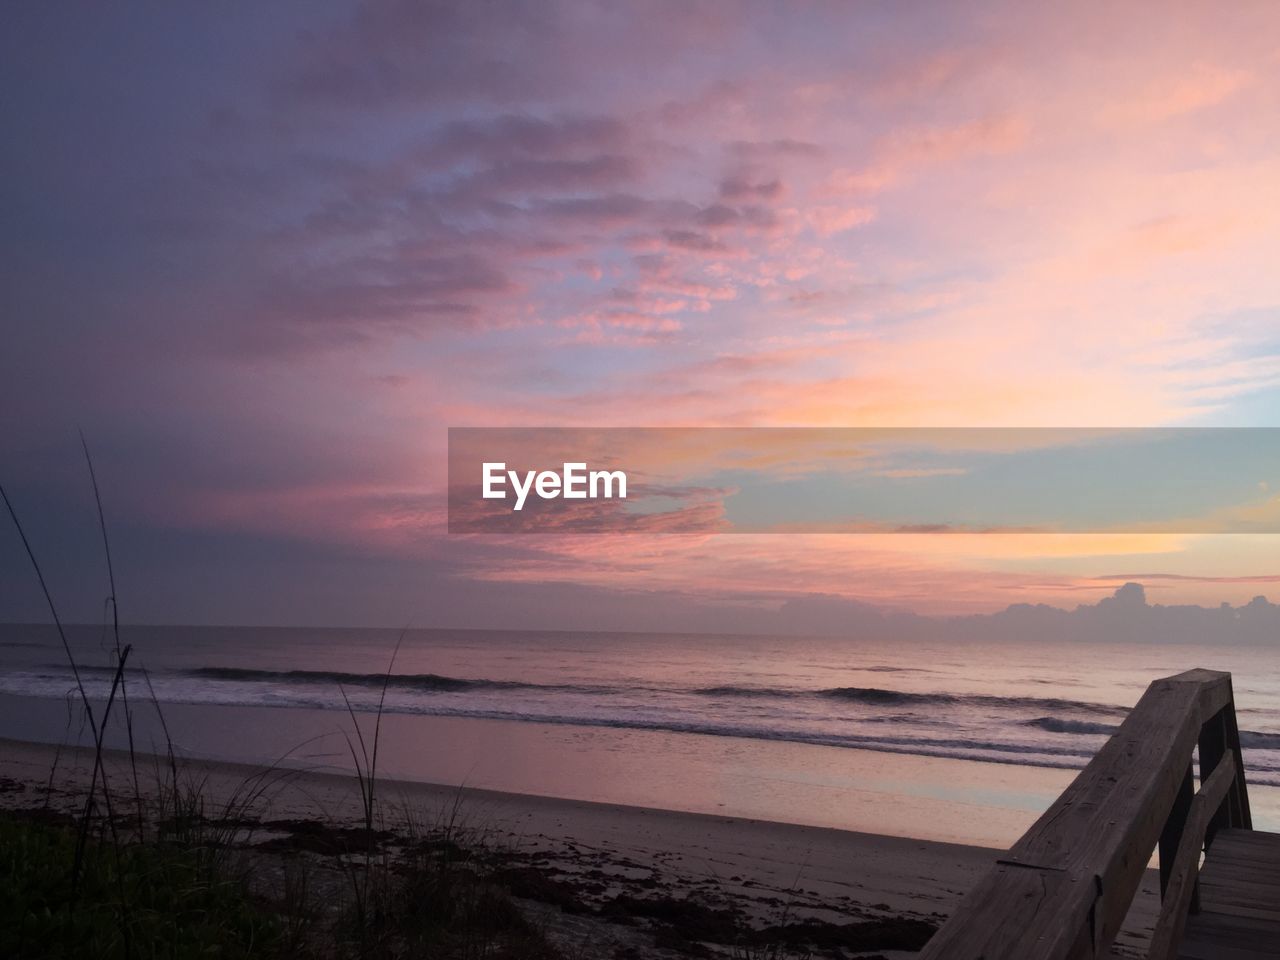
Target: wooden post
[
  {"x": 1238, "y": 796},
  {"x": 1213, "y": 744},
  {"x": 1171, "y": 835}
]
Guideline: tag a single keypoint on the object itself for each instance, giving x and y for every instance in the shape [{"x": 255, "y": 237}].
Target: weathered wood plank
[
  {"x": 1022, "y": 896},
  {"x": 1237, "y": 843},
  {"x": 1240, "y": 897}
]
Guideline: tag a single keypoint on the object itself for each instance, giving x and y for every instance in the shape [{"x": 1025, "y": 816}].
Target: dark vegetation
[{"x": 135, "y": 899}]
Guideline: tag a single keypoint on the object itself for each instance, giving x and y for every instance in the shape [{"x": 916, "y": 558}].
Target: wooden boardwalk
[
  {"x": 1064, "y": 889},
  {"x": 1239, "y": 916}
]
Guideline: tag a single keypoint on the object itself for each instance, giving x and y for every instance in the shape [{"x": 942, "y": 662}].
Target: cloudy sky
[{"x": 265, "y": 255}]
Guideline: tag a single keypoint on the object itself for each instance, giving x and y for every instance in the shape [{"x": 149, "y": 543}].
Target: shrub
[{"x": 132, "y": 900}]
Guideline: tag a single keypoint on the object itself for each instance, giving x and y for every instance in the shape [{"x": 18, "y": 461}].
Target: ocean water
[{"x": 966, "y": 742}]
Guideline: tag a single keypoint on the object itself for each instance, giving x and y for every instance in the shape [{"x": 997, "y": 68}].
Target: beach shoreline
[
  {"x": 940, "y": 799},
  {"x": 766, "y": 871}
]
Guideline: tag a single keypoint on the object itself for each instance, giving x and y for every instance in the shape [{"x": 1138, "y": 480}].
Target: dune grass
[
  {"x": 168, "y": 872},
  {"x": 144, "y": 900}
]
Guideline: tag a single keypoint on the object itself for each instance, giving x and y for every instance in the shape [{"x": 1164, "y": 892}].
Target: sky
[{"x": 264, "y": 256}]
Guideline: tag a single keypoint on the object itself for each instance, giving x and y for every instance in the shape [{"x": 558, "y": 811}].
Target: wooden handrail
[{"x": 1062, "y": 891}]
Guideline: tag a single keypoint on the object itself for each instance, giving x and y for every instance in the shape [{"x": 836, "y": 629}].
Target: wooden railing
[{"x": 1063, "y": 890}]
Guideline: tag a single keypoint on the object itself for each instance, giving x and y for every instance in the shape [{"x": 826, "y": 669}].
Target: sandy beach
[{"x": 569, "y": 859}]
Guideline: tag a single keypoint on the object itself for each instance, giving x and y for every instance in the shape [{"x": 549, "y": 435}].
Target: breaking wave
[{"x": 1038, "y": 731}]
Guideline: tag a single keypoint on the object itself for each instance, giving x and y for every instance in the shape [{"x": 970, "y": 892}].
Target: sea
[{"x": 956, "y": 742}]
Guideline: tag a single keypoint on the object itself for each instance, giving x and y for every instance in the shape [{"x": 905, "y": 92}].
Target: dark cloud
[
  {"x": 741, "y": 188},
  {"x": 1126, "y": 616},
  {"x": 719, "y": 215},
  {"x": 424, "y": 51},
  {"x": 692, "y": 510},
  {"x": 522, "y": 176},
  {"x": 616, "y": 209},
  {"x": 769, "y": 149},
  {"x": 394, "y": 53},
  {"x": 693, "y": 240},
  {"x": 510, "y": 135},
  {"x": 369, "y": 293}
]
